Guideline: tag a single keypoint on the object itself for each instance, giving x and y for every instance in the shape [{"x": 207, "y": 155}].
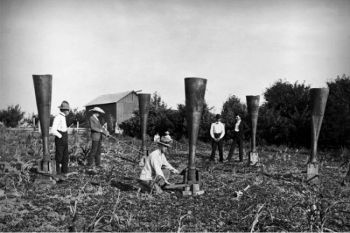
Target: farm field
[{"x": 273, "y": 197}]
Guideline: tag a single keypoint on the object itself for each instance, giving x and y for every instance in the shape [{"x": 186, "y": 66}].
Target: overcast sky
[{"x": 94, "y": 47}]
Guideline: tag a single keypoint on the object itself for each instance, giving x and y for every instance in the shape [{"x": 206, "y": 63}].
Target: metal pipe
[
  {"x": 253, "y": 112},
  {"x": 318, "y": 99},
  {"x": 144, "y": 104},
  {"x": 43, "y": 90},
  {"x": 194, "y": 92}
]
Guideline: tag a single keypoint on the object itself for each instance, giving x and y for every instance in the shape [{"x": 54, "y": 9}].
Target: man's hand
[
  {"x": 167, "y": 182},
  {"x": 176, "y": 171}
]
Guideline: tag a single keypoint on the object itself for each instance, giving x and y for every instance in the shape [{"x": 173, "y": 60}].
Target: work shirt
[
  {"x": 217, "y": 128},
  {"x": 59, "y": 124},
  {"x": 153, "y": 166},
  {"x": 156, "y": 138},
  {"x": 96, "y": 128},
  {"x": 237, "y": 125},
  {"x": 168, "y": 137}
]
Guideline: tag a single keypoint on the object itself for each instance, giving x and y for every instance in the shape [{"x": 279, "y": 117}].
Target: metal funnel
[
  {"x": 318, "y": 101},
  {"x": 253, "y": 112},
  {"x": 144, "y": 104},
  {"x": 194, "y": 92},
  {"x": 43, "y": 90}
]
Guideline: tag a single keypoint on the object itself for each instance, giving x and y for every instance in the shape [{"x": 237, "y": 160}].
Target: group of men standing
[
  {"x": 156, "y": 169},
  {"x": 60, "y": 130},
  {"x": 217, "y": 133}
]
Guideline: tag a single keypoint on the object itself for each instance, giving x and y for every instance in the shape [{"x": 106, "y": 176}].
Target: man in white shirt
[
  {"x": 156, "y": 170},
  {"x": 156, "y": 138},
  {"x": 217, "y": 133},
  {"x": 59, "y": 129},
  {"x": 168, "y": 137}
]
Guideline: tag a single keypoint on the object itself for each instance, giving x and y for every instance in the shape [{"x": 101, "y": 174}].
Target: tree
[
  {"x": 161, "y": 119},
  {"x": 11, "y": 116},
  {"x": 285, "y": 117},
  {"x": 230, "y": 109},
  {"x": 336, "y": 123},
  {"x": 75, "y": 116}
]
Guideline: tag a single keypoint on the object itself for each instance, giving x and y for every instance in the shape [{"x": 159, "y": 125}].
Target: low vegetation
[{"x": 272, "y": 197}]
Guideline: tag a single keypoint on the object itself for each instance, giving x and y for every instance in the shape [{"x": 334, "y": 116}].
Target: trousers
[
  {"x": 219, "y": 145},
  {"x": 154, "y": 185},
  {"x": 237, "y": 140},
  {"x": 95, "y": 153},
  {"x": 61, "y": 154}
]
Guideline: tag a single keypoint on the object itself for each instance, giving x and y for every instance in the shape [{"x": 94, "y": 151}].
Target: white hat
[{"x": 97, "y": 109}]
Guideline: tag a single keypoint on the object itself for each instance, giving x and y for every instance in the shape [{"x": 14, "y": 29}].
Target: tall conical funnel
[
  {"x": 318, "y": 101},
  {"x": 43, "y": 89},
  {"x": 253, "y": 112},
  {"x": 144, "y": 103},
  {"x": 194, "y": 92}
]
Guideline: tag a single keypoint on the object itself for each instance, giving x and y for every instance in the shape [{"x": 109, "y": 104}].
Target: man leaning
[
  {"x": 96, "y": 136},
  {"x": 156, "y": 170}
]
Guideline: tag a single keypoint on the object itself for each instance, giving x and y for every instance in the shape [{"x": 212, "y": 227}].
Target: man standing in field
[
  {"x": 96, "y": 135},
  {"x": 217, "y": 133},
  {"x": 156, "y": 170},
  {"x": 238, "y": 136},
  {"x": 59, "y": 129}
]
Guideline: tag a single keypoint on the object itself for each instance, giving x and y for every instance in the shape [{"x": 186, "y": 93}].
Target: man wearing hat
[
  {"x": 59, "y": 129},
  {"x": 238, "y": 136},
  {"x": 156, "y": 170},
  {"x": 96, "y": 135},
  {"x": 217, "y": 133}
]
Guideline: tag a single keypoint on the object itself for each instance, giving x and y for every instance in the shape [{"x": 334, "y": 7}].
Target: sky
[{"x": 95, "y": 47}]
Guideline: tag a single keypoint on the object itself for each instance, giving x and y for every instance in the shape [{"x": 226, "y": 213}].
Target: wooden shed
[{"x": 118, "y": 107}]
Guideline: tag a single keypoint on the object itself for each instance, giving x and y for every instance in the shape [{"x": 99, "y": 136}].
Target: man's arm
[
  {"x": 55, "y": 126},
  {"x": 212, "y": 131},
  {"x": 167, "y": 165},
  {"x": 157, "y": 167},
  {"x": 222, "y": 132}
]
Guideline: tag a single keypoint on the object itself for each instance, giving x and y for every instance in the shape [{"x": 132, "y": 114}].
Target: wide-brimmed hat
[
  {"x": 64, "y": 105},
  {"x": 97, "y": 109},
  {"x": 164, "y": 142}
]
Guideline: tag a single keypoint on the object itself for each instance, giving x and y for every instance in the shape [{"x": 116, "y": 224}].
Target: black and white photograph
[{"x": 174, "y": 116}]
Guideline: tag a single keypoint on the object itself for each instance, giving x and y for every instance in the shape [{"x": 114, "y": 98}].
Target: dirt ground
[{"x": 272, "y": 197}]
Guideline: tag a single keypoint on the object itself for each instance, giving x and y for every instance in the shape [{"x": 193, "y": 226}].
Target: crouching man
[{"x": 156, "y": 170}]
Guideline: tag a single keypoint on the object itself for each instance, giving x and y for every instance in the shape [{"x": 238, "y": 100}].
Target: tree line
[{"x": 284, "y": 116}]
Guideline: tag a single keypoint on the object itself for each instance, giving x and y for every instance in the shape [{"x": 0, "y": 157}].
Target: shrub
[{"x": 11, "y": 116}]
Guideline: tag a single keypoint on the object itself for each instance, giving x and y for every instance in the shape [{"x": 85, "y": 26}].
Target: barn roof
[{"x": 108, "y": 98}]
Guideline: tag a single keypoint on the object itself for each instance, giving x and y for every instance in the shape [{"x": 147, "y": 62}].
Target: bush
[
  {"x": 161, "y": 119},
  {"x": 11, "y": 116},
  {"x": 335, "y": 130},
  {"x": 285, "y": 116}
]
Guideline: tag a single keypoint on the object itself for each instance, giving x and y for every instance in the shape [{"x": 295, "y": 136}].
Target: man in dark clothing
[
  {"x": 238, "y": 136},
  {"x": 96, "y": 135}
]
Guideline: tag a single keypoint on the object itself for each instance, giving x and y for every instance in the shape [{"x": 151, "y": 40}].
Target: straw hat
[
  {"x": 97, "y": 109},
  {"x": 164, "y": 142},
  {"x": 64, "y": 105}
]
